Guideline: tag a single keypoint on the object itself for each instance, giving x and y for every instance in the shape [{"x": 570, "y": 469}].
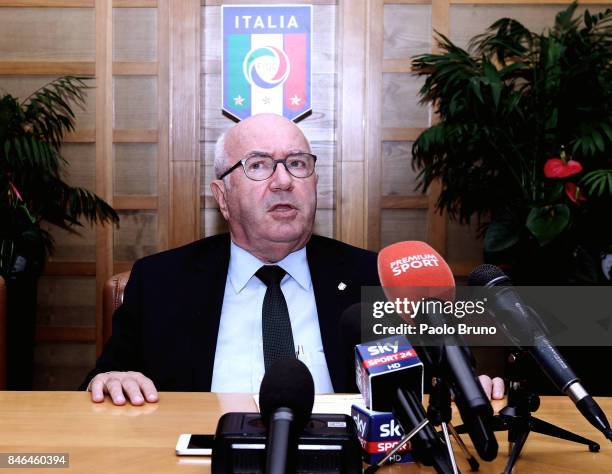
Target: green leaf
[
  {"x": 598, "y": 140},
  {"x": 500, "y": 235},
  {"x": 490, "y": 72},
  {"x": 475, "y": 86},
  {"x": 607, "y": 130},
  {"x": 496, "y": 89},
  {"x": 547, "y": 222},
  {"x": 554, "y": 193}
]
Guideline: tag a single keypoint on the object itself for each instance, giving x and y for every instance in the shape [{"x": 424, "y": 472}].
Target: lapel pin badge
[{"x": 342, "y": 286}]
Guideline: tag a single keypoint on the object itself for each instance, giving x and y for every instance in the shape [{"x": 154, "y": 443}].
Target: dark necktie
[{"x": 275, "y": 322}]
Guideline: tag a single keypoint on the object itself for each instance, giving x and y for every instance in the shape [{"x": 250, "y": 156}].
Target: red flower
[
  {"x": 558, "y": 168},
  {"x": 574, "y": 193}
]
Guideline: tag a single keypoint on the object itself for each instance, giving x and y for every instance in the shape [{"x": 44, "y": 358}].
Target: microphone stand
[
  {"x": 516, "y": 417},
  {"x": 439, "y": 412},
  {"x": 427, "y": 446}
]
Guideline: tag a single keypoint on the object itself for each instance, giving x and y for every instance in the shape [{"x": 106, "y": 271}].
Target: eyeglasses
[{"x": 261, "y": 167}]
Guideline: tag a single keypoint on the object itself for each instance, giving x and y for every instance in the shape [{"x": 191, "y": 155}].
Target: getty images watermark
[{"x": 500, "y": 316}]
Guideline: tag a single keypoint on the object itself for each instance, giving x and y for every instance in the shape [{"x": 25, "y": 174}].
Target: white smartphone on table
[{"x": 195, "y": 444}]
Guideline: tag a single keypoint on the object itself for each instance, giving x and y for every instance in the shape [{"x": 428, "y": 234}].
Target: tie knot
[{"x": 270, "y": 274}]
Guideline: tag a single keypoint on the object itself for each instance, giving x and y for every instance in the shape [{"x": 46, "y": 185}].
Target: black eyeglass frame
[{"x": 276, "y": 162}]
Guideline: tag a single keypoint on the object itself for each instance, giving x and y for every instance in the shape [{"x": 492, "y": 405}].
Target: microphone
[
  {"x": 286, "y": 398},
  {"x": 387, "y": 374},
  {"x": 390, "y": 386},
  {"x": 414, "y": 268},
  {"x": 507, "y": 302}
]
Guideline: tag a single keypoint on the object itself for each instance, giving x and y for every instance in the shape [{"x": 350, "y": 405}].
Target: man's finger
[
  {"x": 498, "y": 388},
  {"x": 148, "y": 388},
  {"x": 132, "y": 390},
  {"x": 487, "y": 384},
  {"x": 97, "y": 389},
  {"x": 115, "y": 390}
]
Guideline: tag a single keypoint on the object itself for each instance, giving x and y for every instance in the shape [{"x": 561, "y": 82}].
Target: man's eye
[
  {"x": 297, "y": 163},
  {"x": 256, "y": 165}
]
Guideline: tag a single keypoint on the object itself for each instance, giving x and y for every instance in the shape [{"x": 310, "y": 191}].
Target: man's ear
[{"x": 218, "y": 189}]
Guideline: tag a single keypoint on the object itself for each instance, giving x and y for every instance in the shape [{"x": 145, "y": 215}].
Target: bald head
[{"x": 253, "y": 130}]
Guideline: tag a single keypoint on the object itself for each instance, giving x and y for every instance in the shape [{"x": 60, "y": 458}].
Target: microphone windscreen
[
  {"x": 289, "y": 384},
  {"x": 483, "y": 274},
  {"x": 414, "y": 270}
]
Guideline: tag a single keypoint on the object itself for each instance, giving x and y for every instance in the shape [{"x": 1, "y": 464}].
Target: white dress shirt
[{"x": 239, "y": 361}]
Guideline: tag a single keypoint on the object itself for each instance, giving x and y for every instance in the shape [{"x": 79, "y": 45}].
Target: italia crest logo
[{"x": 266, "y": 60}]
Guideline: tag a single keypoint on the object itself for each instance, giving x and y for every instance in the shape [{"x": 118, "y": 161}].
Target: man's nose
[{"x": 281, "y": 178}]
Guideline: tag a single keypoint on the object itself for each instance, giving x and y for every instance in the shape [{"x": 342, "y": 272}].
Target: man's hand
[
  {"x": 135, "y": 385},
  {"x": 493, "y": 388}
]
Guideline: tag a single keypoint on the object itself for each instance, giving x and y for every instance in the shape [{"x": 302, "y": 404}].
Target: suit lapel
[
  {"x": 210, "y": 273},
  {"x": 327, "y": 273}
]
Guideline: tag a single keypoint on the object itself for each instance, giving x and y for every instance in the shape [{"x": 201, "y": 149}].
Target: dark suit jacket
[{"x": 167, "y": 326}]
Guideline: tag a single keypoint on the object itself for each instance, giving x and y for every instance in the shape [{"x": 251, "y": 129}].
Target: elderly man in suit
[
  {"x": 212, "y": 315},
  {"x": 205, "y": 317}
]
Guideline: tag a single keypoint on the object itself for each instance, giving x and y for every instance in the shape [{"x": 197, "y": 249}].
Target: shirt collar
[{"x": 243, "y": 265}]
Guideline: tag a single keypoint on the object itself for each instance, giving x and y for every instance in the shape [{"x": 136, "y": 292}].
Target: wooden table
[{"x": 110, "y": 439}]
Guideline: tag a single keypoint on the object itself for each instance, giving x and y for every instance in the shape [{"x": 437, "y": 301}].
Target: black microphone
[
  {"x": 286, "y": 398},
  {"x": 454, "y": 361},
  {"x": 515, "y": 314}
]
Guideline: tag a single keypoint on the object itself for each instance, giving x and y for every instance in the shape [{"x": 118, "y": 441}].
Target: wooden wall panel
[
  {"x": 400, "y": 107},
  {"x": 73, "y": 247},
  {"x": 398, "y": 177},
  {"x": 134, "y": 34},
  {"x": 135, "y": 170},
  {"x": 67, "y": 301},
  {"x": 62, "y": 366},
  {"x": 375, "y": 115},
  {"x": 402, "y": 224},
  {"x": 184, "y": 121},
  {"x": 137, "y": 235},
  {"x": 134, "y": 45},
  {"x": 351, "y": 177},
  {"x": 212, "y": 222},
  {"x": 466, "y": 21},
  {"x": 34, "y": 33},
  {"x": 324, "y": 222},
  {"x": 104, "y": 145},
  {"x": 135, "y": 102},
  {"x": 81, "y": 169},
  {"x": 407, "y": 30}
]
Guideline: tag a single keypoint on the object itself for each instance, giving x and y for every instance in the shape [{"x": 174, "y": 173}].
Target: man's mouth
[{"x": 282, "y": 208}]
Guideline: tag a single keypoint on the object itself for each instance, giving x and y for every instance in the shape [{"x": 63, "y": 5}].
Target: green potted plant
[
  {"x": 524, "y": 143},
  {"x": 33, "y": 191}
]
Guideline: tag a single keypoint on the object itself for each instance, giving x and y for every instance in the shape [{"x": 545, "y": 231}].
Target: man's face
[{"x": 280, "y": 209}]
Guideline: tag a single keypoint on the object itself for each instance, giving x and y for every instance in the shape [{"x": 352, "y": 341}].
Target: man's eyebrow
[{"x": 257, "y": 153}]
